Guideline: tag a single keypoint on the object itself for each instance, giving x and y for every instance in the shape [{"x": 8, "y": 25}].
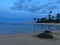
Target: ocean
[{"x": 7, "y": 28}]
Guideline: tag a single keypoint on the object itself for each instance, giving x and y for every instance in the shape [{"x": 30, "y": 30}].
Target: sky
[
  {"x": 10, "y": 15},
  {"x": 4, "y": 4}
]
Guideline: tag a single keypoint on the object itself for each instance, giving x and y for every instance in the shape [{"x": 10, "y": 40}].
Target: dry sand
[{"x": 28, "y": 39}]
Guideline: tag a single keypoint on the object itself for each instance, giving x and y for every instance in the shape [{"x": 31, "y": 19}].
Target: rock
[
  {"x": 46, "y": 31},
  {"x": 45, "y": 35}
]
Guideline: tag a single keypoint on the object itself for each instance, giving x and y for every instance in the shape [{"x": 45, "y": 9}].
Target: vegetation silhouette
[{"x": 51, "y": 19}]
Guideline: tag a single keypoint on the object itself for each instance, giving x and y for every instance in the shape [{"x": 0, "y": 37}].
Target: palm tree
[
  {"x": 53, "y": 19},
  {"x": 57, "y": 17},
  {"x": 50, "y": 12},
  {"x": 35, "y": 19},
  {"x": 49, "y": 16}
]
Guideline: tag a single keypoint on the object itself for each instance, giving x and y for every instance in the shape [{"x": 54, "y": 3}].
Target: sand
[
  {"x": 41, "y": 23},
  {"x": 28, "y": 39}
]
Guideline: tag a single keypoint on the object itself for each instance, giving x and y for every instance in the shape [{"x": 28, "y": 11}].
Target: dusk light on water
[{"x": 29, "y": 22}]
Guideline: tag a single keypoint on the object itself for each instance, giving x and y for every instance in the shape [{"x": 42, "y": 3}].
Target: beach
[
  {"x": 25, "y": 34},
  {"x": 41, "y": 23},
  {"x": 28, "y": 39}
]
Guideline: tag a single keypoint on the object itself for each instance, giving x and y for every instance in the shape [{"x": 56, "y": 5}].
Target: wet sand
[{"x": 28, "y": 39}]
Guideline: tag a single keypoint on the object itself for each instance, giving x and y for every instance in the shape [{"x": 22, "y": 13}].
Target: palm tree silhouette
[
  {"x": 49, "y": 16},
  {"x": 34, "y": 18},
  {"x": 57, "y": 17}
]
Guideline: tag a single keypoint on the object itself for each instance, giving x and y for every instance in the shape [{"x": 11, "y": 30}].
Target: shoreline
[
  {"x": 42, "y": 23},
  {"x": 27, "y": 33},
  {"x": 29, "y": 39}
]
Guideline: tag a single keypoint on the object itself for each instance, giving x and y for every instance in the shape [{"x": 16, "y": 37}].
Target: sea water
[{"x": 26, "y": 28}]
